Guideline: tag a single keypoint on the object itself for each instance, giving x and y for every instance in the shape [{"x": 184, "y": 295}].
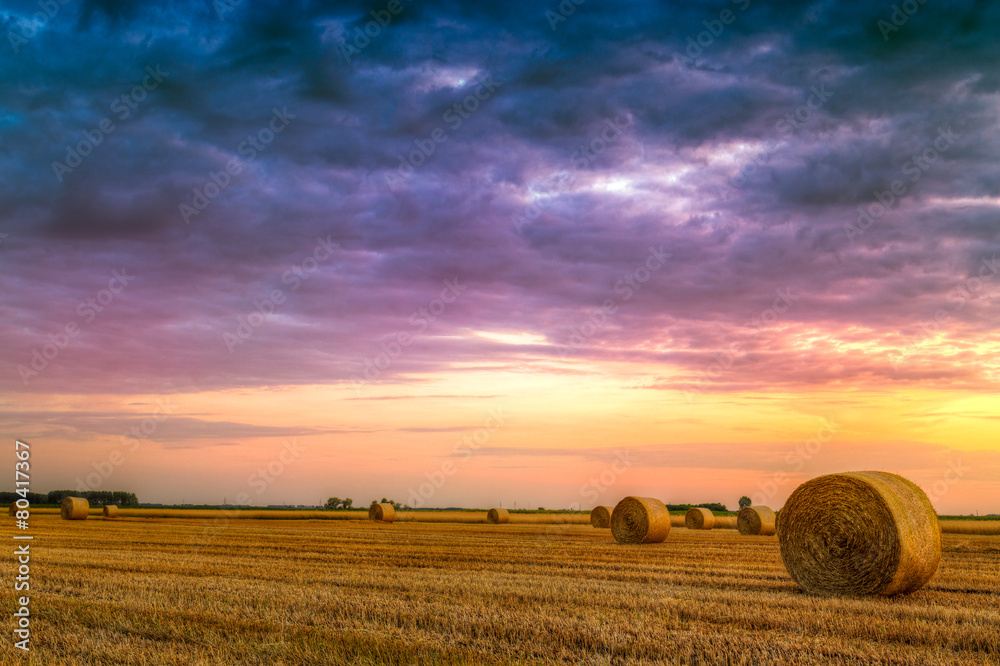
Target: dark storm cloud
[{"x": 692, "y": 118}]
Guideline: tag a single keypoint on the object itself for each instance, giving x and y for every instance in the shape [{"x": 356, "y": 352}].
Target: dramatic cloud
[
  {"x": 682, "y": 199},
  {"x": 534, "y": 160}
]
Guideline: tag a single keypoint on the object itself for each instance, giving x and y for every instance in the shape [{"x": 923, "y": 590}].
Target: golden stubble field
[{"x": 182, "y": 591}]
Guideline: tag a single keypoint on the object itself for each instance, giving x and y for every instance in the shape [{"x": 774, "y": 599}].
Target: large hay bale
[
  {"x": 498, "y": 516},
  {"x": 74, "y": 508},
  {"x": 600, "y": 516},
  {"x": 110, "y": 511},
  {"x": 699, "y": 519},
  {"x": 382, "y": 512},
  {"x": 640, "y": 520},
  {"x": 12, "y": 511},
  {"x": 859, "y": 533},
  {"x": 755, "y": 520}
]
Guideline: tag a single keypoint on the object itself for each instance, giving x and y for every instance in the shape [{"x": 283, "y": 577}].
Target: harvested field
[{"x": 358, "y": 592}]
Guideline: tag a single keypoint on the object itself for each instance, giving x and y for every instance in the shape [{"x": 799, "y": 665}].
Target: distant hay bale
[
  {"x": 74, "y": 508},
  {"x": 600, "y": 516},
  {"x": 676, "y": 521},
  {"x": 859, "y": 533},
  {"x": 12, "y": 511},
  {"x": 755, "y": 520},
  {"x": 640, "y": 520},
  {"x": 725, "y": 523},
  {"x": 699, "y": 519},
  {"x": 498, "y": 516},
  {"x": 382, "y": 512},
  {"x": 110, "y": 511}
]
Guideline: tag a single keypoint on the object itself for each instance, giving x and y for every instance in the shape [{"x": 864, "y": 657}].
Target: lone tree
[{"x": 745, "y": 502}]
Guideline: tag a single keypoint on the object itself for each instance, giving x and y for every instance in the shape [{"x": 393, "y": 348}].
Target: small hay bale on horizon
[
  {"x": 600, "y": 516},
  {"x": 498, "y": 516},
  {"x": 698, "y": 518},
  {"x": 12, "y": 511},
  {"x": 74, "y": 508},
  {"x": 859, "y": 534},
  {"x": 382, "y": 512},
  {"x": 638, "y": 520},
  {"x": 110, "y": 511},
  {"x": 756, "y": 520}
]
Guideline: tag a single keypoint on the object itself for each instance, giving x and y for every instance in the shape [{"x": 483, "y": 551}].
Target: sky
[{"x": 480, "y": 254}]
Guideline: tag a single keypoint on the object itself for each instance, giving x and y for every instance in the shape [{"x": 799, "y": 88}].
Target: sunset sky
[{"x": 536, "y": 254}]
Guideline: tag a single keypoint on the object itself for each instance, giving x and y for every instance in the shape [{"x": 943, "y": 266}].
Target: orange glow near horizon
[{"x": 561, "y": 431}]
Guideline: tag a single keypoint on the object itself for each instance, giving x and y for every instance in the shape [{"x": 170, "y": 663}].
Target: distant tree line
[
  {"x": 711, "y": 506},
  {"x": 337, "y": 503},
  {"x": 393, "y": 503},
  {"x": 97, "y": 497}
]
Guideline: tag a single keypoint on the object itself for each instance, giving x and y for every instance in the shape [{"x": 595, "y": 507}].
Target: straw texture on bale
[
  {"x": 13, "y": 509},
  {"x": 699, "y": 519},
  {"x": 383, "y": 512},
  {"x": 640, "y": 520},
  {"x": 498, "y": 516},
  {"x": 755, "y": 520},
  {"x": 859, "y": 533},
  {"x": 74, "y": 508},
  {"x": 600, "y": 516},
  {"x": 110, "y": 511}
]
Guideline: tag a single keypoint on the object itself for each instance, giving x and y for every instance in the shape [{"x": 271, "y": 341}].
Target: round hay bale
[
  {"x": 600, "y": 516},
  {"x": 755, "y": 520},
  {"x": 640, "y": 520},
  {"x": 12, "y": 511},
  {"x": 382, "y": 512},
  {"x": 74, "y": 508},
  {"x": 859, "y": 533},
  {"x": 498, "y": 516},
  {"x": 110, "y": 511},
  {"x": 699, "y": 519}
]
